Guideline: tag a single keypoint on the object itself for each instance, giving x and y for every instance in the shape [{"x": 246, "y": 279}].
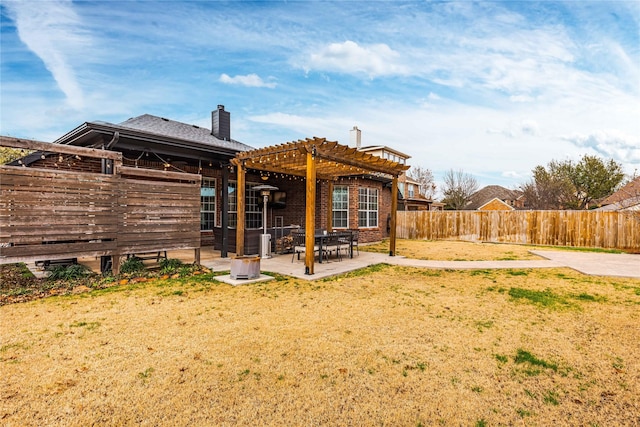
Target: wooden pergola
[{"x": 314, "y": 159}]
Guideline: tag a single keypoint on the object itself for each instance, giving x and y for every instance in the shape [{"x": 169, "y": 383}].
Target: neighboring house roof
[
  {"x": 495, "y": 204},
  {"x": 385, "y": 148},
  {"x": 490, "y": 192},
  {"x": 632, "y": 204},
  {"x": 627, "y": 195}
]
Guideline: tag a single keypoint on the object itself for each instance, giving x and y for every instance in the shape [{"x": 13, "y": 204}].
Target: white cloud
[
  {"x": 52, "y": 30},
  {"x": 610, "y": 143},
  {"x": 350, "y": 58},
  {"x": 513, "y": 175},
  {"x": 250, "y": 80},
  {"x": 518, "y": 129}
]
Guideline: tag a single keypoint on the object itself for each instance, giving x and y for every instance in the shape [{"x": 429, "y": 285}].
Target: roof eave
[{"x": 86, "y": 129}]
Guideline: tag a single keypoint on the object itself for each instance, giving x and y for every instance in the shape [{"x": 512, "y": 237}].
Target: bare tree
[
  {"x": 424, "y": 178},
  {"x": 458, "y": 188}
]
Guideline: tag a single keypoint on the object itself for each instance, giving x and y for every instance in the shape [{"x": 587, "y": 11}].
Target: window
[
  {"x": 340, "y": 206},
  {"x": 367, "y": 207},
  {"x": 410, "y": 190},
  {"x": 207, "y": 204},
  {"x": 253, "y": 212},
  {"x": 401, "y": 189}
]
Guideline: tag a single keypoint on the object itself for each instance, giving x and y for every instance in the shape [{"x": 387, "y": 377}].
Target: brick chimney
[
  {"x": 221, "y": 124},
  {"x": 355, "y": 136}
]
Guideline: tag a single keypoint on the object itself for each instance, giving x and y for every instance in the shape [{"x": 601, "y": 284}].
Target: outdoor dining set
[{"x": 326, "y": 244}]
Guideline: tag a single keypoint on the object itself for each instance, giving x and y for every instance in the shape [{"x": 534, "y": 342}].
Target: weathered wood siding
[
  {"x": 57, "y": 213},
  {"x": 620, "y": 230},
  {"x": 47, "y": 214},
  {"x": 158, "y": 215}
]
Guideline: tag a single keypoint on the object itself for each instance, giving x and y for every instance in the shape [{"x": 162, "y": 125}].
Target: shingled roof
[
  {"x": 630, "y": 191},
  {"x": 489, "y": 193},
  {"x": 165, "y": 127}
]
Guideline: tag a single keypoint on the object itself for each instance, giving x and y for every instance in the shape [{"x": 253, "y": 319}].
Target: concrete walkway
[
  {"x": 591, "y": 263},
  {"x": 596, "y": 264}
]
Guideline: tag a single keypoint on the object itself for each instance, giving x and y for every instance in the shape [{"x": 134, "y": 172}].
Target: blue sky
[{"x": 491, "y": 88}]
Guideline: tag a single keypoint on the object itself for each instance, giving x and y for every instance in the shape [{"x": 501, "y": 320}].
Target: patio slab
[{"x": 237, "y": 282}]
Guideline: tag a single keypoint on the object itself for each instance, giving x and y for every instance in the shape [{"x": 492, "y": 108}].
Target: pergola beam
[{"x": 313, "y": 159}]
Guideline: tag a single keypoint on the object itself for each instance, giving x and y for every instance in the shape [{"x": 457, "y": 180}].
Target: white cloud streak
[
  {"x": 609, "y": 143},
  {"x": 350, "y": 58},
  {"x": 50, "y": 29},
  {"x": 250, "y": 80}
]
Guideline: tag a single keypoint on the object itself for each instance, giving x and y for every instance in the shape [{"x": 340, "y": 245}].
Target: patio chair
[
  {"x": 299, "y": 246},
  {"x": 333, "y": 243},
  {"x": 354, "y": 240}
]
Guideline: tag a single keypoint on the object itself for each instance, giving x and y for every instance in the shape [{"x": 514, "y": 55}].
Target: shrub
[
  {"x": 69, "y": 272},
  {"x": 132, "y": 265},
  {"x": 170, "y": 265}
]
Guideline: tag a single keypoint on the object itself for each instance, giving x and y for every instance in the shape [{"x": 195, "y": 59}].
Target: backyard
[{"x": 385, "y": 345}]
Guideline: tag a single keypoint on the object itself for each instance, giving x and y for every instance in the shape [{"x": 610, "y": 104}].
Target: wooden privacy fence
[
  {"x": 620, "y": 230},
  {"x": 50, "y": 214}
]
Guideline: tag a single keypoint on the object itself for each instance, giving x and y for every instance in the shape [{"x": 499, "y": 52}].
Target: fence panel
[
  {"x": 619, "y": 230},
  {"x": 48, "y": 214}
]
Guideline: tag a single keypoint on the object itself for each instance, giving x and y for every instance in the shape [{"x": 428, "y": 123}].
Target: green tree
[
  {"x": 569, "y": 185},
  {"x": 594, "y": 178},
  {"x": 458, "y": 188}
]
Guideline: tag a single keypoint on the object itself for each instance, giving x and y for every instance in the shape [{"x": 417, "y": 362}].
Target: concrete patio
[{"x": 590, "y": 263}]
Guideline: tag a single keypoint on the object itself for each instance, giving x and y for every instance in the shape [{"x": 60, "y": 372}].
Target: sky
[{"x": 490, "y": 88}]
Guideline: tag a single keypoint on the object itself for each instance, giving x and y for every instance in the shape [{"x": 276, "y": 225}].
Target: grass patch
[
  {"x": 87, "y": 325},
  {"x": 524, "y": 356},
  {"x": 583, "y": 296},
  {"x": 517, "y": 272},
  {"x": 501, "y": 358},
  {"x": 578, "y": 249},
  {"x": 482, "y": 325},
  {"x": 544, "y": 298},
  {"x": 359, "y": 273},
  {"x": 551, "y": 398}
]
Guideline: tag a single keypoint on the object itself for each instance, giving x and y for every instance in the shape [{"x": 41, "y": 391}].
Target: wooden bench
[{"x": 155, "y": 255}]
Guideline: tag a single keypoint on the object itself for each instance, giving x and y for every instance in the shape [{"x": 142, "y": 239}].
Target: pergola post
[
  {"x": 316, "y": 158},
  {"x": 310, "y": 217},
  {"x": 225, "y": 213},
  {"x": 330, "y": 207},
  {"x": 240, "y": 176},
  {"x": 394, "y": 212}
]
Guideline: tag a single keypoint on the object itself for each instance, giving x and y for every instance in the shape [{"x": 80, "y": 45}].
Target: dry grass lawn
[
  {"x": 458, "y": 250},
  {"x": 388, "y": 346}
]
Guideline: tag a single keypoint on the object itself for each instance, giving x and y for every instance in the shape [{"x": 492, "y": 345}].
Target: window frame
[
  {"x": 210, "y": 204},
  {"x": 368, "y": 207},
  {"x": 343, "y": 210},
  {"x": 253, "y": 211}
]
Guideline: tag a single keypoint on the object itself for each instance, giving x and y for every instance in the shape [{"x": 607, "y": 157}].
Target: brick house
[{"x": 360, "y": 201}]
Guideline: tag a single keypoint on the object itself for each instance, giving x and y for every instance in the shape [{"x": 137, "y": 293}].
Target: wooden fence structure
[
  {"x": 50, "y": 214},
  {"x": 595, "y": 229}
]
